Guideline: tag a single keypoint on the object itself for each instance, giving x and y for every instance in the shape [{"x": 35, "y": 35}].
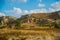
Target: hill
[
  {"x": 31, "y": 21},
  {"x": 41, "y": 19}
]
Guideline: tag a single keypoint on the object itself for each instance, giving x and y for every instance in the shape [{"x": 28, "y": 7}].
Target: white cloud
[
  {"x": 41, "y": 5},
  {"x": 2, "y": 14},
  {"x": 40, "y": 0},
  {"x": 51, "y": 10},
  {"x": 25, "y": 0},
  {"x": 19, "y": 0},
  {"x": 38, "y": 11},
  {"x": 25, "y": 11},
  {"x": 17, "y": 12},
  {"x": 56, "y": 6}
]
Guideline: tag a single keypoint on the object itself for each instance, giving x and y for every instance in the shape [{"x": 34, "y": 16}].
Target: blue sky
[{"x": 22, "y": 7}]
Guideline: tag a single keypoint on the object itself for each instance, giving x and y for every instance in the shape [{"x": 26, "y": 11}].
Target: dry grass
[{"x": 27, "y": 34}]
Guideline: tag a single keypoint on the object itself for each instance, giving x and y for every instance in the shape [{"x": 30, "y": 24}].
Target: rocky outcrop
[
  {"x": 40, "y": 17},
  {"x": 31, "y": 19},
  {"x": 7, "y": 21}
]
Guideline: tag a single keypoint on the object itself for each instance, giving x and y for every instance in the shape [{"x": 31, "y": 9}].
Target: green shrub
[
  {"x": 57, "y": 24},
  {"x": 18, "y": 24}
]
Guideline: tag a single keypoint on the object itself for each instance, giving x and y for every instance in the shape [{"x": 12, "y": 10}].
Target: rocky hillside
[
  {"x": 29, "y": 21},
  {"x": 52, "y": 16},
  {"x": 33, "y": 20},
  {"x": 7, "y": 21},
  {"x": 34, "y": 23}
]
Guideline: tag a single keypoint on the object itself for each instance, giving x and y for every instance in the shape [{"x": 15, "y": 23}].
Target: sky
[{"x": 17, "y": 8}]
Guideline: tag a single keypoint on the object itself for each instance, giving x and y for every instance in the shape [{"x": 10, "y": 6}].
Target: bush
[
  {"x": 57, "y": 24},
  {"x": 18, "y": 24}
]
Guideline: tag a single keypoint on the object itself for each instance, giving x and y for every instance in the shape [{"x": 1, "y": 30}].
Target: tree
[
  {"x": 18, "y": 24},
  {"x": 57, "y": 24}
]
